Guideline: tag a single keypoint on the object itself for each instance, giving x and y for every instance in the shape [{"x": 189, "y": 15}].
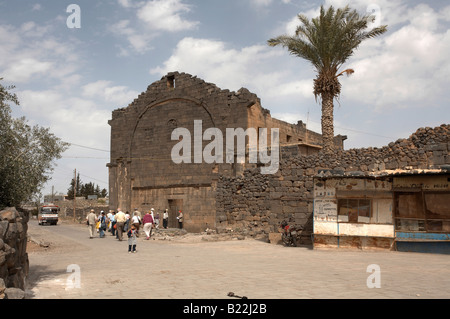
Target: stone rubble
[{"x": 14, "y": 264}]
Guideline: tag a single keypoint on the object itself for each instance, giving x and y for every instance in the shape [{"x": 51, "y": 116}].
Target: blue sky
[{"x": 71, "y": 79}]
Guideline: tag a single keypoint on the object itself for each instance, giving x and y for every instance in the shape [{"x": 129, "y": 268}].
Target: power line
[
  {"x": 91, "y": 148},
  {"x": 86, "y": 157},
  {"x": 357, "y": 131}
]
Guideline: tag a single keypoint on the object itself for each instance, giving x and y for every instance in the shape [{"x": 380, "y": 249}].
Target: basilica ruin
[{"x": 142, "y": 173}]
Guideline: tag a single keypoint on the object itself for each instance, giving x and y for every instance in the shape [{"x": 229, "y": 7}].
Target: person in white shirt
[
  {"x": 165, "y": 218},
  {"x": 136, "y": 221},
  {"x": 120, "y": 219}
]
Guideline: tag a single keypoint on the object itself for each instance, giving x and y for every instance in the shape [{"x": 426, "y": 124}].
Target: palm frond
[{"x": 328, "y": 41}]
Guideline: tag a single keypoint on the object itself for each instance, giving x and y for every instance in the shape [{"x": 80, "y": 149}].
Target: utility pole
[{"x": 74, "y": 193}]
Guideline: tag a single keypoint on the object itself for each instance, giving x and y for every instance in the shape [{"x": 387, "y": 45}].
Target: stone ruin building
[
  {"x": 235, "y": 197},
  {"x": 142, "y": 173}
]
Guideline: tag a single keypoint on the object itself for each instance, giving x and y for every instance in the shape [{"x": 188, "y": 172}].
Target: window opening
[{"x": 171, "y": 82}]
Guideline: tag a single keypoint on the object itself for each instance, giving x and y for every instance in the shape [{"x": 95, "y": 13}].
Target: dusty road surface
[{"x": 73, "y": 266}]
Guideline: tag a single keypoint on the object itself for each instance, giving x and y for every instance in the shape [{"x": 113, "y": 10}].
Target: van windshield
[{"x": 49, "y": 210}]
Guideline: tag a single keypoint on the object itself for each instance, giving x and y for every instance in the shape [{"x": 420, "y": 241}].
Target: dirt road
[{"x": 75, "y": 266}]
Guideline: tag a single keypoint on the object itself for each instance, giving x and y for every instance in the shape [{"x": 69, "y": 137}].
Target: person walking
[
  {"x": 152, "y": 212},
  {"x": 120, "y": 223},
  {"x": 136, "y": 222},
  {"x": 132, "y": 239},
  {"x": 157, "y": 220},
  {"x": 138, "y": 212},
  {"x": 180, "y": 219},
  {"x": 148, "y": 224},
  {"x": 126, "y": 227},
  {"x": 166, "y": 218},
  {"x": 108, "y": 220},
  {"x": 102, "y": 227},
  {"x": 98, "y": 223},
  {"x": 113, "y": 223},
  {"x": 91, "y": 222}
]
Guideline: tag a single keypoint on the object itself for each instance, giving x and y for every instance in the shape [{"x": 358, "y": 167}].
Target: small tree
[
  {"x": 72, "y": 189},
  {"x": 27, "y": 154}
]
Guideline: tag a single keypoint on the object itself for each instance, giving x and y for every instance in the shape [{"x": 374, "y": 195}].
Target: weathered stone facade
[{"x": 142, "y": 173}]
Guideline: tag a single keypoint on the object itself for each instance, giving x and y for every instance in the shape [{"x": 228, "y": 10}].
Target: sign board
[{"x": 438, "y": 182}]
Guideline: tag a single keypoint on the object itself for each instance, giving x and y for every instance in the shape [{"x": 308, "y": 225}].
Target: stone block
[
  {"x": 275, "y": 238},
  {"x": 14, "y": 293},
  {"x": 9, "y": 214}
]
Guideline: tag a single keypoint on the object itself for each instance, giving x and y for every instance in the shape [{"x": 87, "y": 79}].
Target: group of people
[{"x": 118, "y": 223}]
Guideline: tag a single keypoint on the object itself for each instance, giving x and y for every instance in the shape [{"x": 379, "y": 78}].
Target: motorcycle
[{"x": 289, "y": 234}]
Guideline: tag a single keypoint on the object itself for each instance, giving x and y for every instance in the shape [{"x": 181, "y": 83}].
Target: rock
[
  {"x": 3, "y": 228},
  {"x": 14, "y": 293},
  {"x": 9, "y": 214}
]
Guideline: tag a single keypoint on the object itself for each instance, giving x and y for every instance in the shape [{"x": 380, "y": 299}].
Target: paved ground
[{"x": 189, "y": 268}]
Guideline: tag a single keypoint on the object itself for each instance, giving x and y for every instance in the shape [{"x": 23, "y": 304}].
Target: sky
[{"x": 72, "y": 68}]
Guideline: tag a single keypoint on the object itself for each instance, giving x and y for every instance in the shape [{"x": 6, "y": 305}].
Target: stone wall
[
  {"x": 256, "y": 204},
  {"x": 82, "y": 208},
  {"x": 14, "y": 263}
]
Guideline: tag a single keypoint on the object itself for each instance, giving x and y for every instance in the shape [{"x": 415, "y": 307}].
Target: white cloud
[
  {"x": 303, "y": 88},
  {"x": 37, "y": 7},
  {"x": 139, "y": 41},
  {"x": 166, "y": 15},
  {"x": 153, "y": 17},
  {"x": 227, "y": 67},
  {"x": 71, "y": 118},
  {"x": 125, "y": 3},
  {"x": 24, "y": 69},
  {"x": 263, "y": 3},
  {"x": 405, "y": 67},
  {"x": 31, "y": 52},
  {"x": 118, "y": 95}
]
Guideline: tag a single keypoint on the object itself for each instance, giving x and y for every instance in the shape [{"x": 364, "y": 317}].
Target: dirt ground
[{"x": 175, "y": 265}]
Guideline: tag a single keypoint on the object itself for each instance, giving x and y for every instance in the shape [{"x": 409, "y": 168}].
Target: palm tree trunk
[{"x": 327, "y": 123}]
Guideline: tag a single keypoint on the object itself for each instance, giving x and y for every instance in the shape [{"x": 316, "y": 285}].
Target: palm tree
[{"x": 327, "y": 42}]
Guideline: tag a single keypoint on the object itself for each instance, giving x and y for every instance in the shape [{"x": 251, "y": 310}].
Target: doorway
[{"x": 175, "y": 205}]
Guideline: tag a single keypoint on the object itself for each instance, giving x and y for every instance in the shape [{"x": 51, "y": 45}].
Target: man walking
[
  {"x": 166, "y": 218},
  {"x": 120, "y": 222},
  {"x": 91, "y": 221},
  {"x": 180, "y": 219}
]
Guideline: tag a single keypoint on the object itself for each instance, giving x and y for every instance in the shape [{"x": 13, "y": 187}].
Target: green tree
[
  {"x": 72, "y": 189},
  {"x": 27, "y": 154},
  {"x": 328, "y": 41},
  {"x": 88, "y": 189},
  {"x": 98, "y": 191},
  {"x": 85, "y": 190}
]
